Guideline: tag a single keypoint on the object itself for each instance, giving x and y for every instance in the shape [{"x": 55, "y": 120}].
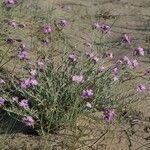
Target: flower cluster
[
  {"x": 77, "y": 78},
  {"x": 28, "y": 121},
  {"x": 24, "y": 104},
  {"x": 9, "y": 3},
  {"x": 28, "y": 82},
  {"x": 92, "y": 56},
  {"x": 104, "y": 28},
  {"x": 45, "y": 29},
  {"x": 22, "y": 53},
  {"x": 109, "y": 114},
  {"x": 86, "y": 94},
  {"x": 131, "y": 63}
]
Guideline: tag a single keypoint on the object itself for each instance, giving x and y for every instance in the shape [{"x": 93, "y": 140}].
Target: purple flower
[
  {"x": 109, "y": 114},
  {"x": 140, "y": 88},
  {"x": 2, "y": 101},
  {"x": 72, "y": 57},
  {"x": 62, "y": 23},
  {"x": 105, "y": 28},
  {"x": 126, "y": 38},
  {"x": 77, "y": 78},
  {"x": 139, "y": 51},
  {"x": 24, "y": 104},
  {"x": 133, "y": 64},
  {"x": 22, "y": 55},
  {"x": 28, "y": 120},
  {"x": 9, "y": 3},
  {"x": 85, "y": 94},
  {"x": 28, "y": 82},
  {"x": 25, "y": 83},
  {"x": 2, "y": 81},
  {"x": 130, "y": 63},
  {"x": 46, "y": 29}
]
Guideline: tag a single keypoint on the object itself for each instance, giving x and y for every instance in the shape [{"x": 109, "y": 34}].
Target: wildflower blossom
[
  {"x": 46, "y": 29},
  {"x": 25, "y": 83},
  {"x": 28, "y": 82},
  {"x": 28, "y": 121},
  {"x": 139, "y": 51},
  {"x": 126, "y": 38},
  {"x": 9, "y": 3},
  {"x": 140, "y": 88},
  {"x": 2, "y": 101},
  {"x": 109, "y": 114},
  {"x": 133, "y": 64},
  {"x": 24, "y": 104},
  {"x": 22, "y": 55},
  {"x": 72, "y": 57},
  {"x": 62, "y": 23},
  {"x": 88, "y": 93},
  {"x": 105, "y": 28},
  {"x": 77, "y": 78}
]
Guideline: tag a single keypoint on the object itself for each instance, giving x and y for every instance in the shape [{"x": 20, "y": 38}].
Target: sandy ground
[{"x": 130, "y": 16}]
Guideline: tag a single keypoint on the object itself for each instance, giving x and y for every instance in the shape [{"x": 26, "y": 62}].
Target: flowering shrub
[{"x": 53, "y": 94}]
